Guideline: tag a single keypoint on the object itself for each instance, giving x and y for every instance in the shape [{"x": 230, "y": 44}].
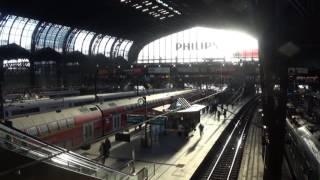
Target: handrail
[{"x": 49, "y": 154}]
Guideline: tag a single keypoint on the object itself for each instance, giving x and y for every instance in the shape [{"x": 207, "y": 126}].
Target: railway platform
[
  {"x": 171, "y": 156},
  {"x": 252, "y": 163}
]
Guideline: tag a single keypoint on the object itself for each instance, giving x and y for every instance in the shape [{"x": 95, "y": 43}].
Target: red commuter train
[{"x": 81, "y": 126}]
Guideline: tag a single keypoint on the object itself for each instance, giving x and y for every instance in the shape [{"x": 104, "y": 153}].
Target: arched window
[{"x": 17, "y": 30}]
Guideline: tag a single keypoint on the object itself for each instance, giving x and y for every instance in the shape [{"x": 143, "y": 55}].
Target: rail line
[{"x": 224, "y": 159}]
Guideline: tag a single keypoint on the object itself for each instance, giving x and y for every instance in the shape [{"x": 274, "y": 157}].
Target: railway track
[{"x": 224, "y": 159}]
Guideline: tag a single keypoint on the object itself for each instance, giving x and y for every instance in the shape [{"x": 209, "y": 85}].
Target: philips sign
[{"x": 195, "y": 46}]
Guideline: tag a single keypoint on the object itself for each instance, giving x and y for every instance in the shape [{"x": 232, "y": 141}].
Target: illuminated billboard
[{"x": 200, "y": 44}]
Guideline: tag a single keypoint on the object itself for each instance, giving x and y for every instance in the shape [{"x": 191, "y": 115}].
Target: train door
[
  {"x": 88, "y": 132},
  {"x": 116, "y": 121}
]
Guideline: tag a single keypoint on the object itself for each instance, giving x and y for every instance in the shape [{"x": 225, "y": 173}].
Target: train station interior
[{"x": 159, "y": 90}]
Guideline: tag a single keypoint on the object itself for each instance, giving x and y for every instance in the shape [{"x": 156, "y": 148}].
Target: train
[
  {"x": 30, "y": 107},
  {"x": 302, "y": 147},
  {"x": 80, "y": 126}
]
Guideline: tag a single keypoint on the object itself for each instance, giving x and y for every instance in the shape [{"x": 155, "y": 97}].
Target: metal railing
[{"x": 41, "y": 152}]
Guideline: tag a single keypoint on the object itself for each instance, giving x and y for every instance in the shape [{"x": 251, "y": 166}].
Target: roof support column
[
  {"x": 275, "y": 72},
  {"x": 272, "y": 35},
  {"x": 1, "y": 93}
]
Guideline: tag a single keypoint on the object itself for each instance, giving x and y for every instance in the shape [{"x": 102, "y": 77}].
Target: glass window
[
  {"x": 86, "y": 43},
  {"x": 53, "y": 126},
  {"x": 79, "y": 40},
  {"x": 62, "y": 124},
  {"x": 60, "y": 38},
  {"x": 70, "y": 122},
  {"x": 72, "y": 39},
  {"x": 122, "y": 48},
  {"x": 102, "y": 45},
  {"x": 17, "y": 30},
  {"x": 96, "y": 43},
  {"x": 126, "y": 50},
  {"x": 27, "y": 33},
  {"x": 107, "y": 50},
  {"x": 32, "y": 131},
  {"x": 115, "y": 47},
  {"x": 43, "y": 129},
  {"x": 199, "y": 43}
]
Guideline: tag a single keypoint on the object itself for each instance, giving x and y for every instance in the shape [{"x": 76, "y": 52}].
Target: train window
[
  {"x": 32, "y": 131},
  {"x": 53, "y": 126},
  {"x": 43, "y": 129},
  {"x": 112, "y": 104},
  {"x": 62, "y": 124},
  {"x": 70, "y": 122},
  {"x": 93, "y": 109},
  {"x": 116, "y": 121},
  {"x": 83, "y": 109},
  {"x": 25, "y": 111}
]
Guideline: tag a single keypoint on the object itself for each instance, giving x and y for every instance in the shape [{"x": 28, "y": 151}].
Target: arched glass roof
[
  {"x": 18, "y": 30},
  {"x": 29, "y": 33},
  {"x": 51, "y": 36},
  {"x": 200, "y": 44}
]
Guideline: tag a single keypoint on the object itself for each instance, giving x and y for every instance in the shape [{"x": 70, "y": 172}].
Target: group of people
[{"x": 213, "y": 108}]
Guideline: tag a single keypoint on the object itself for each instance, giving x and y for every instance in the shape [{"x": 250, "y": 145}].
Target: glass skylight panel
[
  {"x": 148, "y": 4},
  {"x": 17, "y": 30},
  {"x": 122, "y": 48},
  {"x": 127, "y": 49},
  {"x": 103, "y": 44},
  {"x": 79, "y": 41},
  {"x": 96, "y": 43},
  {"x": 86, "y": 43},
  {"x": 115, "y": 48},
  {"x": 155, "y": 4},
  {"x": 51, "y": 36},
  {"x": 60, "y": 38},
  {"x": 5, "y": 29},
  {"x": 26, "y": 36},
  {"x": 107, "y": 51}
]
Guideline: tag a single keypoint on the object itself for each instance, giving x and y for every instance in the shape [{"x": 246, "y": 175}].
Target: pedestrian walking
[{"x": 225, "y": 113}]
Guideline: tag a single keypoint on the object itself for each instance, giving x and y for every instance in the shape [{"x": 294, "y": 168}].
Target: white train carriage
[{"x": 28, "y": 107}]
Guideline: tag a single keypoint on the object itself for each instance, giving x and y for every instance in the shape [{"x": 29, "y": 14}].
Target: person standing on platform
[
  {"x": 105, "y": 150},
  {"x": 180, "y": 129},
  {"x": 102, "y": 152},
  {"x": 201, "y": 129},
  {"x": 218, "y": 114},
  {"x": 225, "y": 113}
]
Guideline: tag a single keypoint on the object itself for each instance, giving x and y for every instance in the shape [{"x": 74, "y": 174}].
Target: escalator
[{"x": 25, "y": 157}]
